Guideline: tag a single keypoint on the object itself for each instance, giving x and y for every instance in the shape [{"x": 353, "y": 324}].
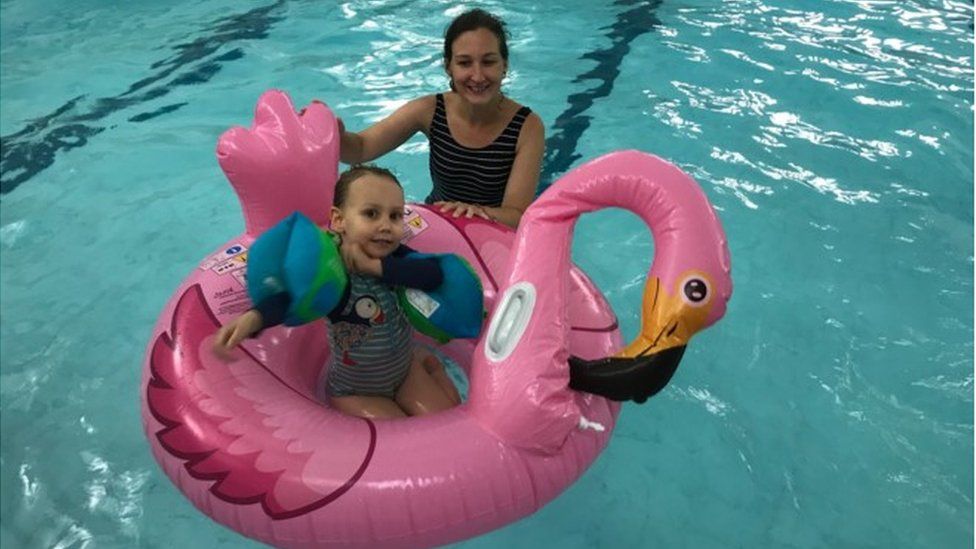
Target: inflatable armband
[
  {"x": 454, "y": 310},
  {"x": 297, "y": 257}
]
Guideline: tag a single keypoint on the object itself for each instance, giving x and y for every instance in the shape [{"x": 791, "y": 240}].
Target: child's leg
[
  {"x": 420, "y": 394},
  {"x": 373, "y": 407},
  {"x": 436, "y": 370}
]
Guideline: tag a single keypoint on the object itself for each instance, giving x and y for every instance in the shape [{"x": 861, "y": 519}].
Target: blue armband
[
  {"x": 302, "y": 260},
  {"x": 455, "y": 309}
]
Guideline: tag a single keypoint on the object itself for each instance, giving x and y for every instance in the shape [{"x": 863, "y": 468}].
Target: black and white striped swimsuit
[
  {"x": 370, "y": 339},
  {"x": 463, "y": 174}
]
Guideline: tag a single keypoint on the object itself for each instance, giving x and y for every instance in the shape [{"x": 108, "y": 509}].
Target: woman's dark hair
[
  {"x": 354, "y": 173},
  {"x": 474, "y": 20}
]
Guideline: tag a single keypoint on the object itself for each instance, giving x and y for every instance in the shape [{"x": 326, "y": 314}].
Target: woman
[{"x": 485, "y": 149}]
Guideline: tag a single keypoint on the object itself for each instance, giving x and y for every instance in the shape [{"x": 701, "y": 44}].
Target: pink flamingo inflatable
[{"x": 252, "y": 442}]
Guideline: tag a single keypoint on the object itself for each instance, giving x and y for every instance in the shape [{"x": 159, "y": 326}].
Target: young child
[{"x": 375, "y": 370}]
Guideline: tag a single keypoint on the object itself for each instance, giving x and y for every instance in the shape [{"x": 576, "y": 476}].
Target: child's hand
[
  {"x": 234, "y": 332},
  {"x": 357, "y": 261}
]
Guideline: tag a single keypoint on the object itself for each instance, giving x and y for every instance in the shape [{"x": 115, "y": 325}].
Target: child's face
[{"x": 372, "y": 215}]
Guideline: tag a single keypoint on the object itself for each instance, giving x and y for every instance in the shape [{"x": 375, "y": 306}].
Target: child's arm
[
  {"x": 396, "y": 269},
  {"x": 422, "y": 273},
  {"x": 269, "y": 312}
]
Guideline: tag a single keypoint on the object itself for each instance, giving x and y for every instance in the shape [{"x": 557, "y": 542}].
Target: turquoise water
[{"x": 832, "y": 407}]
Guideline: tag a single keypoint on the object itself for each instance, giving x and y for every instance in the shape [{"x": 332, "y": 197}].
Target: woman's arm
[
  {"x": 387, "y": 134},
  {"x": 524, "y": 179}
]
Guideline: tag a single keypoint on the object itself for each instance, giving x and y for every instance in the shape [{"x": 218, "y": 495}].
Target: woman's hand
[
  {"x": 357, "y": 261},
  {"x": 465, "y": 209},
  {"x": 231, "y": 334}
]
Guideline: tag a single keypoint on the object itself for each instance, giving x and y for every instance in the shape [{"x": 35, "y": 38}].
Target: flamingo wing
[{"x": 239, "y": 427}]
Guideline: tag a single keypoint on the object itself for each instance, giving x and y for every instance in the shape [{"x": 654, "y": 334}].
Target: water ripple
[
  {"x": 118, "y": 496},
  {"x": 712, "y": 403},
  {"x": 857, "y": 45},
  {"x": 11, "y": 232}
]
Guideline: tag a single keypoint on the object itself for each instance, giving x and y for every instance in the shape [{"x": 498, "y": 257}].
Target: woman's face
[{"x": 477, "y": 67}]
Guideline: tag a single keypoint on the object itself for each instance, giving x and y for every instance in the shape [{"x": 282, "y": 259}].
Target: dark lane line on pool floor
[
  {"x": 33, "y": 149},
  {"x": 569, "y": 126}
]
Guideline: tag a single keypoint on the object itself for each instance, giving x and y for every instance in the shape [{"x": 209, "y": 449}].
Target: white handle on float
[{"x": 508, "y": 325}]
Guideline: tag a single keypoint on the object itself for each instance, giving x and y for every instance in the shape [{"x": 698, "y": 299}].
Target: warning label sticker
[
  {"x": 230, "y": 301},
  {"x": 425, "y": 304},
  {"x": 413, "y": 224},
  {"x": 228, "y": 253},
  {"x": 233, "y": 264},
  {"x": 240, "y": 275}
]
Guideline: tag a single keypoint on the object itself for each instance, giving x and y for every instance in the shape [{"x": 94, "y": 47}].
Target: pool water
[{"x": 832, "y": 407}]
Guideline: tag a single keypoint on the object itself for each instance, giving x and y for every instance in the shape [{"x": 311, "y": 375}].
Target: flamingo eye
[{"x": 695, "y": 291}]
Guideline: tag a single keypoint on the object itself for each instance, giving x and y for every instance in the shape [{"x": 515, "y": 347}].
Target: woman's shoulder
[
  {"x": 531, "y": 122},
  {"x": 531, "y": 117},
  {"x": 420, "y": 111},
  {"x": 519, "y": 106},
  {"x": 532, "y": 127},
  {"x": 421, "y": 104}
]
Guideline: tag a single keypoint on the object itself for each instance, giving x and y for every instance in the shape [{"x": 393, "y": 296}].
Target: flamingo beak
[
  {"x": 639, "y": 371},
  {"x": 623, "y": 378}
]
